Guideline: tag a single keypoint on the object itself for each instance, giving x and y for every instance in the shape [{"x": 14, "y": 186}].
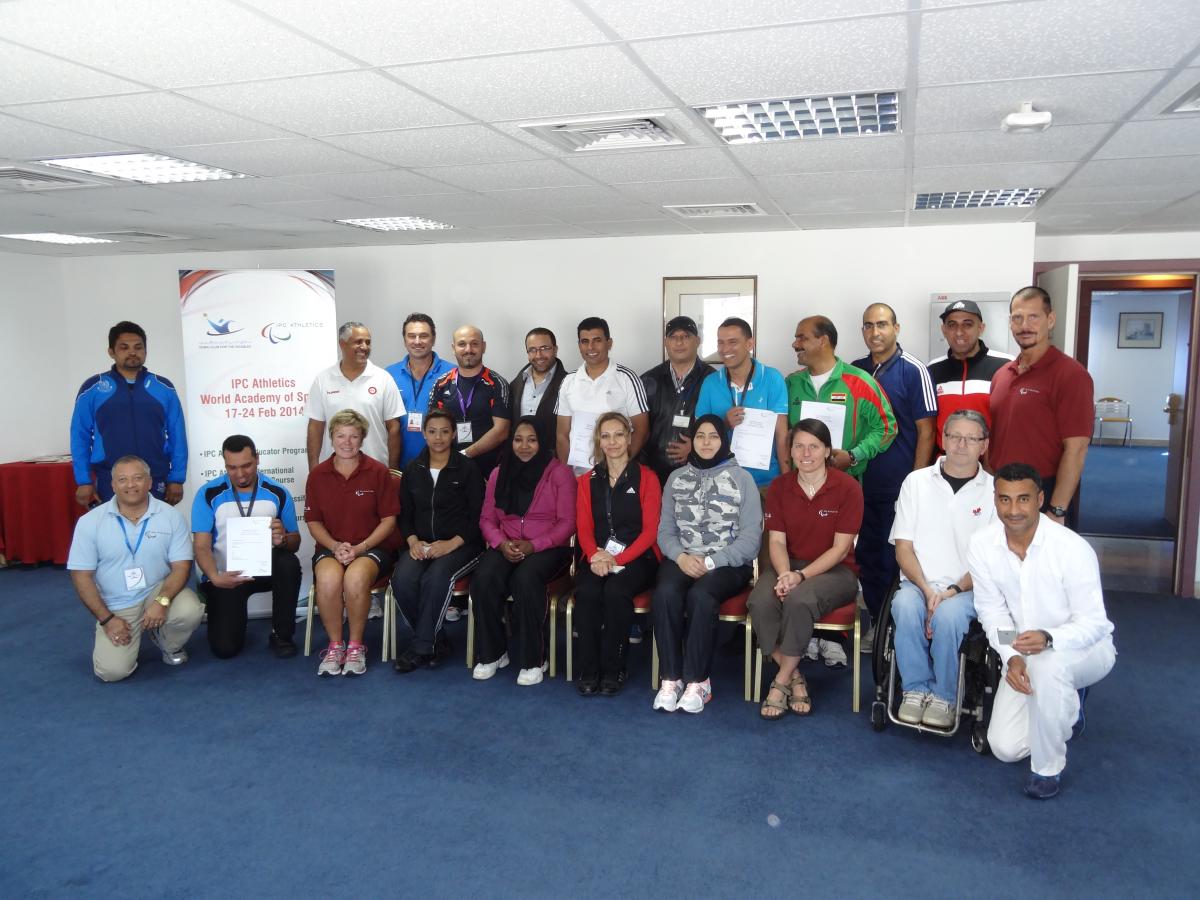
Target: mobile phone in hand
[{"x": 1006, "y": 636}]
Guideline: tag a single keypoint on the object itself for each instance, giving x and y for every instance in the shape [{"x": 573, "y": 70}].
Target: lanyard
[
  {"x": 141, "y": 534},
  {"x": 608, "y": 494},
  {"x": 749, "y": 384},
  {"x": 466, "y": 405},
  {"x": 244, "y": 513},
  {"x": 419, "y": 390}
]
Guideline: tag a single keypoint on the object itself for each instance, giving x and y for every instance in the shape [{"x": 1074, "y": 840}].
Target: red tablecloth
[{"x": 37, "y": 511}]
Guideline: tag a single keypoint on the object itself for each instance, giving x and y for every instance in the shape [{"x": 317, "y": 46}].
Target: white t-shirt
[
  {"x": 617, "y": 388},
  {"x": 373, "y": 394}
]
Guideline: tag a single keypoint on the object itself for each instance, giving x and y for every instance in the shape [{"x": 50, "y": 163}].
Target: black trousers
[
  {"x": 876, "y": 558},
  {"x": 677, "y": 595},
  {"x": 604, "y": 612},
  {"x": 495, "y": 580},
  {"x": 227, "y": 606},
  {"x": 423, "y": 589}
]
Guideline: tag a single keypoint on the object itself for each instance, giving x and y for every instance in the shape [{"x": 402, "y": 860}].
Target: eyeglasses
[
  {"x": 545, "y": 348},
  {"x": 967, "y": 439}
]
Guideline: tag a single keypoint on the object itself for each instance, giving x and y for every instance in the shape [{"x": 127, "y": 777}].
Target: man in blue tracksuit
[{"x": 127, "y": 411}]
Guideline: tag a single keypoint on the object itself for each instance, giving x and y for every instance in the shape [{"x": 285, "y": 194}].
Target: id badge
[
  {"x": 464, "y": 433},
  {"x": 416, "y": 421},
  {"x": 135, "y": 578},
  {"x": 681, "y": 421},
  {"x": 614, "y": 547}
]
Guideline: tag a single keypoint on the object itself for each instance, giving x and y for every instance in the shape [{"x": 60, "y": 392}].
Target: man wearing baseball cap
[
  {"x": 963, "y": 377},
  {"x": 672, "y": 389}
]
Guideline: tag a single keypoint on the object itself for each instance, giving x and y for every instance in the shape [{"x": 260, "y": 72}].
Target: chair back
[{"x": 1112, "y": 409}]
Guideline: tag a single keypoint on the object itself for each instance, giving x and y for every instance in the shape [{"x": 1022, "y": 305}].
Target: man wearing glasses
[
  {"x": 535, "y": 387},
  {"x": 939, "y": 509}
]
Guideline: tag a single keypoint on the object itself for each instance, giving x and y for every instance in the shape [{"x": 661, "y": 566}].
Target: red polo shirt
[
  {"x": 811, "y": 524},
  {"x": 1033, "y": 411},
  {"x": 351, "y": 508}
]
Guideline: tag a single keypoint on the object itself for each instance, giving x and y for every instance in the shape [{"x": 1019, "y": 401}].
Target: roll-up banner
[{"x": 253, "y": 341}]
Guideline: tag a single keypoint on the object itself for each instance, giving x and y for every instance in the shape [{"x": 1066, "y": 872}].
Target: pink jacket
[{"x": 550, "y": 519}]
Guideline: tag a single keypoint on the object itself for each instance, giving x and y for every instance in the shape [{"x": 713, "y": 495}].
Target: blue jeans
[{"x": 927, "y": 666}]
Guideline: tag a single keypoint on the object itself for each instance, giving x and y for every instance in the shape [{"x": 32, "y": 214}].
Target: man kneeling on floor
[
  {"x": 1037, "y": 590},
  {"x": 130, "y": 559},
  {"x": 939, "y": 509}
]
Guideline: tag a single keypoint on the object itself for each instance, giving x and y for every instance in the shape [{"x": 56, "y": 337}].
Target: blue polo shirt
[
  {"x": 99, "y": 546},
  {"x": 415, "y": 393},
  {"x": 766, "y": 390},
  {"x": 215, "y": 503},
  {"x": 909, "y": 387}
]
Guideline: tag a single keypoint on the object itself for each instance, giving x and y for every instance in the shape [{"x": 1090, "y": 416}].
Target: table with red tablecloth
[{"x": 37, "y": 511}]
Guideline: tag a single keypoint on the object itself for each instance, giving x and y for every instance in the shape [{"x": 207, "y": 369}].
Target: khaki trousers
[{"x": 113, "y": 663}]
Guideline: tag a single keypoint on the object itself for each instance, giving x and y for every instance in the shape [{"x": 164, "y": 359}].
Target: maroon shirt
[
  {"x": 351, "y": 508},
  {"x": 1033, "y": 411},
  {"x": 811, "y": 524}
]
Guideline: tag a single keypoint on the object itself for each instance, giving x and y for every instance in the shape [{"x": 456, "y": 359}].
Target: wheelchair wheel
[
  {"x": 878, "y": 715},
  {"x": 882, "y": 649},
  {"x": 979, "y": 741}
]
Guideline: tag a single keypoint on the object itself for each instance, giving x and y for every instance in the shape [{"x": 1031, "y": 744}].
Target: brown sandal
[
  {"x": 779, "y": 706},
  {"x": 801, "y": 706}
]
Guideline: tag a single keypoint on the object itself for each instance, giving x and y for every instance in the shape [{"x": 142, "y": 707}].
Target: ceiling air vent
[
  {"x": 136, "y": 237},
  {"x": 715, "y": 210},
  {"x": 637, "y": 133},
  {"x": 1188, "y": 103},
  {"x": 13, "y": 178}
]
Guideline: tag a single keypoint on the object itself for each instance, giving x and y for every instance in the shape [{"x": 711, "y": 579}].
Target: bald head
[{"x": 468, "y": 349}]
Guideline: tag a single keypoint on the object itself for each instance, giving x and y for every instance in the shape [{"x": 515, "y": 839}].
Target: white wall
[
  {"x": 1141, "y": 377},
  {"x": 34, "y": 339},
  {"x": 1089, "y": 247}
]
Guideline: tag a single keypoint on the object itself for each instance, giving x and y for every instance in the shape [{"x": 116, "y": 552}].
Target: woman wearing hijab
[
  {"x": 709, "y": 533},
  {"x": 527, "y": 522}
]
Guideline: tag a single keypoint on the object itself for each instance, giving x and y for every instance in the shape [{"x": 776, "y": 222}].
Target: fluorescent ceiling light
[
  {"x": 979, "y": 199},
  {"x": 756, "y": 121},
  {"x": 714, "y": 210},
  {"x": 51, "y": 237},
  {"x": 144, "y": 168},
  {"x": 396, "y": 223}
]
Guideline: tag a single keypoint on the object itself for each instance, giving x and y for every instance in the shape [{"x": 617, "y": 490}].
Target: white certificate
[
  {"x": 248, "y": 545},
  {"x": 583, "y": 426},
  {"x": 832, "y": 414},
  {"x": 754, "y": 439}
]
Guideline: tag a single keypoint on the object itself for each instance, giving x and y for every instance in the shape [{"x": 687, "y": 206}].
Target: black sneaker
[
  {"x": 283, "y": 648},
  {"x": 613, "y": 684},
  {"x": 441, "y": 650},
  {"x": 588, "y": 686},
  {"x": 408, "y": 661}
]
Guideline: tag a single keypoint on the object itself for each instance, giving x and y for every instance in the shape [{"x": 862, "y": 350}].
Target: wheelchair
[{"x": 979, "y": 671}]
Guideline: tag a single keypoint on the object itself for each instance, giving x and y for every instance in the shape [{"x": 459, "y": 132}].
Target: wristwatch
[
  {"x": 709, "y": 564},
  {"x": 1059, "y": 511},
  {"x": 1049, "y": 638},
  {"x": 853, "y": 459},
  {"x": 163, "y": 601},
  {"x": 957, "y": 589}
]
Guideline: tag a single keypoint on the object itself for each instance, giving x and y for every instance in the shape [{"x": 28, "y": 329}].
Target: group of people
[{"x": 952, "y": 479}]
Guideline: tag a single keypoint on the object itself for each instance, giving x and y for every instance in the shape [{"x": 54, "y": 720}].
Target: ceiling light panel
[
  {"x": 839, "y": 115},
  {"x": 144, "y": 168},
  {"x": 51, "y": 237},
  {"x": 979, "y": 199},
  {"x": 396, "y": 223}
]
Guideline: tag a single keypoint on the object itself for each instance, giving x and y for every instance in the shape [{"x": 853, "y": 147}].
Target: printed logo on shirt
[
  {"x": 334, "y": 391},
  {"x": 839, "y": 397},
  {"x": 977, "y": 511},
  {"x": 1027, "y": 390},
  {"x": 104, "y": 385},
  {"x": 631, "y": 490},
  {"x": 826, "y": 513},
  {"x": 363, "y": 493},
  {"x": 371, "y": 390}
]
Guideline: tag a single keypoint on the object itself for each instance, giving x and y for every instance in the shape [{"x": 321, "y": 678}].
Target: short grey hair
[
  {"x": 347, "y": 327},
  {"x": 131, "y": 458},
  {"x": 968, "y": 415}
]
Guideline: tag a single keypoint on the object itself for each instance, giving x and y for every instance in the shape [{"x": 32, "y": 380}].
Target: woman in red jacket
[
  {"x": 619, "y": 503},
  {"x": 527, "y": 523}
]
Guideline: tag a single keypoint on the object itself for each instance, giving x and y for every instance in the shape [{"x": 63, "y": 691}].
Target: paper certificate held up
[
  {"x": 754, "y": 439},
  {"x": 832, "y": 414},
  {"x": 248, "y": 545},
  {"x": 583, "y": 426}
]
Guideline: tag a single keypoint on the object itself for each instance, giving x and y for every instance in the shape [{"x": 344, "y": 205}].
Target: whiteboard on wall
[{"x": 993, "y": 305}]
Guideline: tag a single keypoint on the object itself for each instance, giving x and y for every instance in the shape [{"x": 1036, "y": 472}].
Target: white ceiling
[{"x": 412, "y": 107}]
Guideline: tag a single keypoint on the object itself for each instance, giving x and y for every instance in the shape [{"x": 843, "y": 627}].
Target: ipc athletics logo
[
  {"x": 276, "y": 333},
  {"x": 221, "y": 327}
]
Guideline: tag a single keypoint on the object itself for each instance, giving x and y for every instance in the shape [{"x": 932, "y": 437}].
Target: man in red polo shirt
[{"x": 1042, "y": 405}]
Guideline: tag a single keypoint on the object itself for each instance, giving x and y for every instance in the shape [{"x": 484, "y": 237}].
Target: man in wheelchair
[{"x": 939, "y": 509}]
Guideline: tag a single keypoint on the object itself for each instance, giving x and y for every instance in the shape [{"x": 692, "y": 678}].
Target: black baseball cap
[
  {"x": 967, "y": 306},
  {"x": 682, "y": 323}
]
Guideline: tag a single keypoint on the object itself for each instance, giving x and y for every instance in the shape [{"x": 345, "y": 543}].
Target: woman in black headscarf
[
  {"x": 709, "y": 533},
  {"x": 527, "y": 523}
]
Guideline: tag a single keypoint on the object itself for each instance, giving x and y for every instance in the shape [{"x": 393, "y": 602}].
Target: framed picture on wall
[
  {"x": 1140, "y": 330},
  {"x": 710, "y": 300}
]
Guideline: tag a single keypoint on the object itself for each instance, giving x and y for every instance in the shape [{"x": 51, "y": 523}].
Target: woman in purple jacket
[{"x": 527, "y": 523}]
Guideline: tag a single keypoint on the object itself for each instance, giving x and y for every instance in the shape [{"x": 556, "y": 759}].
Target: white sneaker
[
  {"x": 453, "y": 614},
  {"x": 912, "y": 707},
  {"x": 332, "y": 658},
  {"x": 484, "y": 671},
  {"x": 939, "y": 713},
  {"x": 833, "y": 654},
  {"x": 170, "y": 657},
  {"x": 530, "y": 677},
  {"x": 376, "y": 611},
  {"x": 667, "y": 698},
  {"x": 866, "y": 643},
  {"x": 697, "y": 694},
  {"x": 811, "y": 652},
  {"x": 356, "y": 661}
]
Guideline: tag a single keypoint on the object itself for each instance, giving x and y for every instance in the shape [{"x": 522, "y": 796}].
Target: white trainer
[
  {"x": 939, "y": 713},
  {"x": 667, "y": 698},
  {"x": 812, "y": 651},
  {"x": 356, "y": 661},
  {"x": 376, "y": 611},
  {"x": 912, "y": 707},
  {"x": 697, "y": 694},
  {"x": 833, "y": 654},
  {"x": 530, "y": 677},
  {"x": 484, "y": 671},
  {"x": 332, "y": 658},
  {"x": 170, "y": 657}
]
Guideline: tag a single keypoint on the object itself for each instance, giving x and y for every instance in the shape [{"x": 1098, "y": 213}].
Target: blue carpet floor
[
  {"x": 252, "y": 778},
  {"x": 1123, "y": 491}
]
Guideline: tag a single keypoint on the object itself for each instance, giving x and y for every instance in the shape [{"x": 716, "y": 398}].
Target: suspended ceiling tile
[
  {"x": 848, "y": 203},
  {"x": 538, "y": 232},
  {"x": 609, "y": 212},
  {"x": 1184, "y": 82},
  {"x": 841, "y": 154},
  {"x": 20, "y": 139},
  {"x": 269, "y": 158},
  {"x": 30, "y": 76},
  {"x": 582, "y": 81},
  {"x": 640, "y": 226},
  {"x": 454, "y": 145},
  {"x": 364, "y": 185},
  {"x": 672, "y": 17},
  {"x": 496, "y": 176},
  {"x": 850, "y": 220},
  {"x": 246, "y": 190},
  {"x": 331, "y": 209},
  {"x": 655, "y": 165},
  {"x": 1146, "y": 170},
  {"x": 831, "y": 185},
  {"x": 555, "y": 197},
  {"x": 711, "y": 190},
  {"x": 735, "y": 225},
  {"x": 1120, "y": 193},
  {"x": 988, "y": 177},
  {"x": 1069, "y": 142},
  {"x": 498, "y": 218},
  {"x": 1161, "y": 137},
  {"x": 989, "y": 216}
]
